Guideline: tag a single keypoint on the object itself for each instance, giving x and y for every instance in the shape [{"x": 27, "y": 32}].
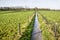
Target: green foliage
[
  {"x": 49, "y": 22},
  {"x": 27, "y": 34},
  {"x": 9, "y": 23}
]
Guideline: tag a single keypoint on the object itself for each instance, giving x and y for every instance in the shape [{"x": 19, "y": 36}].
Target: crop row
[
  {"x": 13, "y": 22},
  {"x": 50, "y": 25}
]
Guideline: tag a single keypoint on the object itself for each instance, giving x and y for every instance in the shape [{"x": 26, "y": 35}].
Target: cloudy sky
[{"x": 53, "y": 4}]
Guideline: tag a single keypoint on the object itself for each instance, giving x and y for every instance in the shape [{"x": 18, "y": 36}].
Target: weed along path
[{"x": 36, "y": 34}]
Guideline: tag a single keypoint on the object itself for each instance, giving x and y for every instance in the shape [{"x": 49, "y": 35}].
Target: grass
[
  {"x": 27, "y": 34},
  {"x": 18, "y": 25},
  {"x": 49, "y": 21},
  {"x": 9, "y": 23}
]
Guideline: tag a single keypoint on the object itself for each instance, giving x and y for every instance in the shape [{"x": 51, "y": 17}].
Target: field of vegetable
[
  {"x": 50, "y": 24},
  {"x": 15, "y": 24},
  {"x": 18, "y": 25}
]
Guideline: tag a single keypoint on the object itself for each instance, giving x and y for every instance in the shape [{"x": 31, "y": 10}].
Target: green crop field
[
  {"x": 50, "y": 24},
  {"x": 18, "y": 25},
  {"x": 13, "y": 24}
]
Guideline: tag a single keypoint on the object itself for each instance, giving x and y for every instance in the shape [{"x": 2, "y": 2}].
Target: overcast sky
[{"x": 53, "y": 4}]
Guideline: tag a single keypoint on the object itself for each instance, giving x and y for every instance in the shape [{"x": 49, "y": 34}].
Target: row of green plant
[
  {"x": 50, "y": 25},
  {"x": 10, "y": 22},
  {"x": 46, "y": 34},
  {"x": 28, "y": 32}
]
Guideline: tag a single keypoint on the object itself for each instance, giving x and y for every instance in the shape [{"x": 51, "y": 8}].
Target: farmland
[
  {"x": 14, "y": 23},
  {"x": 50, "y": 24},
  {"x": 18, "y": 25}
]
